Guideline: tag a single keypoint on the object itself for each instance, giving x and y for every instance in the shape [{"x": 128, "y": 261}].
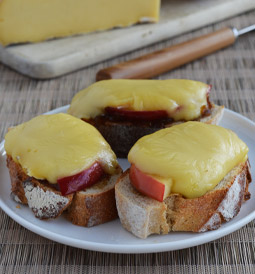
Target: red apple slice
[
  {"x": 152, "y": 186},
  {"x": 136, "y": 115},
  {"x": 81, "y": 180}
]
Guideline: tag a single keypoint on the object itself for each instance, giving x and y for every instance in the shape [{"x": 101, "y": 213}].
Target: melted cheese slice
[
  {"x": 36, "y": 20},
  {"x": 194, "y": 155},
  {"x": 59, "y": 145},
  {"x": 182, "y": 99}
]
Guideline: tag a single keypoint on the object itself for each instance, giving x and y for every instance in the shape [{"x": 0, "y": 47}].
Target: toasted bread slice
[
  {"x": 95, "y": 205},
  {"x": 91, "y": 207},
  {"x": 45, "y": 201},
  {"x": 143, "y": 216},
  {"x": 127, "y": 133},
  {"x": 215, "y": 117}
]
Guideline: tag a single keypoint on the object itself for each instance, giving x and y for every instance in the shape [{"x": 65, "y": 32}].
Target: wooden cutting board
[{"x": 60, "y": 56}]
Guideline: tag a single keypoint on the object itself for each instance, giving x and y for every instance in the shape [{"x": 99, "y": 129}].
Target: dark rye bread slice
[
  {"x": 93, "y": 206},
  {"x": 123, "y": 135},
  {"x": 143, "y": 216}
]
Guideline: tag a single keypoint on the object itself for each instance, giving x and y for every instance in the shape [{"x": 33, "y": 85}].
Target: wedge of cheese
[{"x": 36, "y": 20}]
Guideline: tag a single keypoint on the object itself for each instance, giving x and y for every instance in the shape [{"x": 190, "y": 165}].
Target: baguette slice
[
  {"x": 143, "y": 216},
  {"x": 94, "y": 206},
  {"x": 127, "y": 133},
  {"x": 45, "y": 201}
]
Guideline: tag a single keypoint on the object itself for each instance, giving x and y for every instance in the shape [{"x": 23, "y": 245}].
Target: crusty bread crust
[
  {"x": 177, "y": 213},
  {"x": 215, "y": 117},
  {"x": 45, "y": 201},
  {"x": 126, "y": 133},
  {"x": 17, "y": 177},
  {"x": 94, "y": 206}
]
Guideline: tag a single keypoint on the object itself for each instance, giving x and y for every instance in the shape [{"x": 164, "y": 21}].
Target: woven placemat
[{"x": 232, "y": 74}]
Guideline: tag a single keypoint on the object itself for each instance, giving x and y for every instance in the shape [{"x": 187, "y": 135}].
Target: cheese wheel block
[{"x": 36, "y": 20}]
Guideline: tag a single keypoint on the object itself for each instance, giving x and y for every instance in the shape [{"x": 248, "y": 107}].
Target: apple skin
[
  {"x": 146, "y": 184},
  {"x": 81, "y": 180},
  {"x": 136, "y": 115}
]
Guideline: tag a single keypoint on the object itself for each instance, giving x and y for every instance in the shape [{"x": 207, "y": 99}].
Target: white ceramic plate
[{"x": 111, "y": 237}]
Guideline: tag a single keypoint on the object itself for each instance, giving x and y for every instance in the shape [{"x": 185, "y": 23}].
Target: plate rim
[{"x": 132, "y": 248}]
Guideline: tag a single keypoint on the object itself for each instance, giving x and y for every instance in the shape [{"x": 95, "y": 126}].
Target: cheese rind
[
  {"x": 35, "y": 20},
  {"x": 196, "y": 156},
  {"x": 182, "y": 99},
  {"x": 56, "y": 146}
]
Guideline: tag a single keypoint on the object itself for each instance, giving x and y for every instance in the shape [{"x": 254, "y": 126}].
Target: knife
[{"x": 161, "y": 61}]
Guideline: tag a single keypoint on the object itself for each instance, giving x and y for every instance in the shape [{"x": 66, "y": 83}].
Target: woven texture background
[{"x": 232, "y": 74}]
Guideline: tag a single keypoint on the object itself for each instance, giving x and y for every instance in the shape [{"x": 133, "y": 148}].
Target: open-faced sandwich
[
  {"x": 125, "y": 110},
  {"x": 59, "y": 163},
  {"x": 189, "y": 177}
]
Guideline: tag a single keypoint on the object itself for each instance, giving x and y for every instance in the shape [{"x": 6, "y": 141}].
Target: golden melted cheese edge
[
  {"x": 58, "y": 145},
  {"x": 193, "y": 155},
  {"x": 181, "y": 98}
]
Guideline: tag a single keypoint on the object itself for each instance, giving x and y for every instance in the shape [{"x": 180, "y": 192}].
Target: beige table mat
[{"x": 232, "y": 74}]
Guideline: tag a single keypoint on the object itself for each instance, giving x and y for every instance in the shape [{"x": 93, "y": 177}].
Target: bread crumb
[
  {"x": 18, "y": 206},
  {"x": 44, "y": 203}
]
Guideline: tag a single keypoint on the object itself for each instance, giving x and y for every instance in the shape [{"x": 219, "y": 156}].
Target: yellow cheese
[
  {"x": 59, "y": 145},
  {"x": 36, "y": 20},
  {"x": 194, "y": 155},
  {"x": 182, "y": 99}
]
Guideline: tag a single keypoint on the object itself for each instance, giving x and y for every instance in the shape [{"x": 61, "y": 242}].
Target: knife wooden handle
[{"x": 161, "y": 61}]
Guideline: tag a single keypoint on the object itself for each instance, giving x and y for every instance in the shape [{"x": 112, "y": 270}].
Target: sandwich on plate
[
  {"x": 58, "y": 163},
  {"x": 189, "y": 177},
  {"x": 126, "y": 110}
]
